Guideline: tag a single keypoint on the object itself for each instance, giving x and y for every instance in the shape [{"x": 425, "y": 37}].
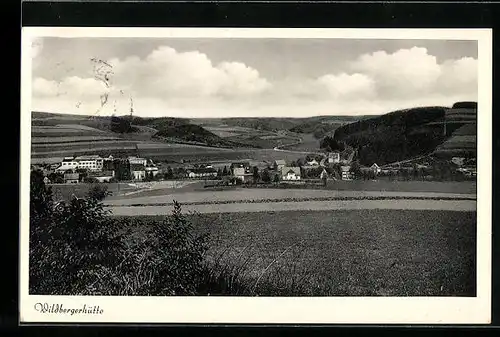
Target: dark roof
[
  {"x": 203, "y": 170},
  {"x": 291, "y": 169},
  {"x": 137, "y": 167},
  {"x": 101, "y": 174},
  {"x": 240, "y": 164}
]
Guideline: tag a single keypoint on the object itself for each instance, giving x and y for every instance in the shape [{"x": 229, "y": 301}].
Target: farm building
[
  {"x": 334, "y": 157},
  {"x": 137, "y": 171},
  {"x": 71, "y": 178},
  {"x": 245, "y": 165},
  {"x": 290, "y": 173},
  {"x": 104, "y": 176},
  {"x": 151, "y": 168},
  {"x": 346, "y": 172},
  {"x": 242, "y": 173},
  {"x": 375, "y": 168},
  {"x": 201, "y": 173},
  {"x": 279, "y": 164}
]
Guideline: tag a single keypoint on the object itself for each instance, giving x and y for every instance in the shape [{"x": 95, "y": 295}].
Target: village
[{"x": 332, "y": 166}]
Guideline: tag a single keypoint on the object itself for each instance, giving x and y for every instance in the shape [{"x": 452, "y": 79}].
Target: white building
[
  {"x": 137, "y": 160},
  {"x": 346, "y": 172},
  {"x": 279, "y": 164},
  {"x": 375, "y": 168},
  {"x": 137, "y": 171},
  {"x": 242, "y": 173},
  {"x": 151, "y": 168},
  {"x": 71, "y": 178},
  {"x": 290, "y": 173},
  {"x": 91, "y": 163},
  {"x": 202, "y": 173},
  {"x": 334, "y": 157}
]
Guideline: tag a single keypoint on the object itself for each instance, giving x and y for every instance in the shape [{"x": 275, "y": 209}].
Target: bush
[
  {"x": 77, "y": 249},
  {"x": 98, "y": 192},
  {"x": 69, "y": 243}
]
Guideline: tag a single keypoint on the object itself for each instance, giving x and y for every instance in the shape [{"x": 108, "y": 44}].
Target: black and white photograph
[{"x": 254, "y": 166}]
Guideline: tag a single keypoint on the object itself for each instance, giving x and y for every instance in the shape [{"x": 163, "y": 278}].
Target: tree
[
  {"x": 177, "y": 260},
  {"x": 293, "y": 163},
  {"x": 356, "y": 169},
  {"x": 255, "y": 174},
  {"x": 98, "y": 192},
  {"x": 122, "y": 169},
  {"x": 276, "y": 178},
  {"x": 225, "y": 171},
  {"x": 90, "y": 180},
  {"x": 83, "y": 173},
  {"x": 69, "y": 242},
  {"x": 120, "y": 125},
  {"x": 170, "y": 173},
  {"x": 56, "y": 178},
  {"x": 266, "y": 176}
]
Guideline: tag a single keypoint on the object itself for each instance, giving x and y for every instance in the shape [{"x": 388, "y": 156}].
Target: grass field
[{"x": 346, "y": 253}]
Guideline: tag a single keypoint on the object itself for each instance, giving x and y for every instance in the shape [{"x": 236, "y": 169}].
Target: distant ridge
[{"x": 407, "y": 133}]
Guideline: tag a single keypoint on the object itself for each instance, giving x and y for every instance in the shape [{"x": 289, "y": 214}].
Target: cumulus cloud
[
  {"x": 169, "y": 82},
  {"x": 402, "y": 73},
  {"x": 459, "y": 76},
  {"x": 410, "y": 72},
  {"x": 348, "y": 86},
  {"x": 168, "y": 72}
]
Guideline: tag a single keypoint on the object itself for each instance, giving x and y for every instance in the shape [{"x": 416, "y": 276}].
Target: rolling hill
[{"x": 408, "y": 133}]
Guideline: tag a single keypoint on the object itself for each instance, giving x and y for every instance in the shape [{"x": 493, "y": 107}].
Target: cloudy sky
[{"x": 249, "y": 77}]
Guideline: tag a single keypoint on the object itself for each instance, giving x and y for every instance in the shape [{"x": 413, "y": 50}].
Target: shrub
[
  {"x": 98, "y": 192},
  {"x": 168, "y": 260},
  {"x": 69, "y": 243}
]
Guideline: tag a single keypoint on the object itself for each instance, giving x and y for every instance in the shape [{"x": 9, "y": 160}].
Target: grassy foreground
[{"x": 340, "y": 253}]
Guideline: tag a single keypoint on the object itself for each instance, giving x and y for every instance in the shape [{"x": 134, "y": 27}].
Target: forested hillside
[{"x": 396, "y": 136}]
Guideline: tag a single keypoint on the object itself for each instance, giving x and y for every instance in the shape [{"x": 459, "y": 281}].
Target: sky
[{"x": 261, "y": 77}]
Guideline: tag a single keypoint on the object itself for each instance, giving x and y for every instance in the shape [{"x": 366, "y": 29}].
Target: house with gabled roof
[
  {"x": 375, "y": 168},
  {"x": 290, "y": 173},
  {"x": 279, "y": 164}
]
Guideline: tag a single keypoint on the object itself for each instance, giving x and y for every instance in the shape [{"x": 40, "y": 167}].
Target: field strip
[
  {"x": 449, "y": 205},
  {"x": 273, "y": 195},
  {"x": 258, "y": 201}
]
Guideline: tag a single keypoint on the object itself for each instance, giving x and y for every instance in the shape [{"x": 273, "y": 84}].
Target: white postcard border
[{"x": 267, "y": 310}]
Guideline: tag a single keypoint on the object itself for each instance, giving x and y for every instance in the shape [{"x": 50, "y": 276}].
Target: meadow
[{"x": 342, "y": 253}]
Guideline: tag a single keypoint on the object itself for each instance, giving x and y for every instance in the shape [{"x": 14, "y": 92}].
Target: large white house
[{"x": 91, "y": 163}]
